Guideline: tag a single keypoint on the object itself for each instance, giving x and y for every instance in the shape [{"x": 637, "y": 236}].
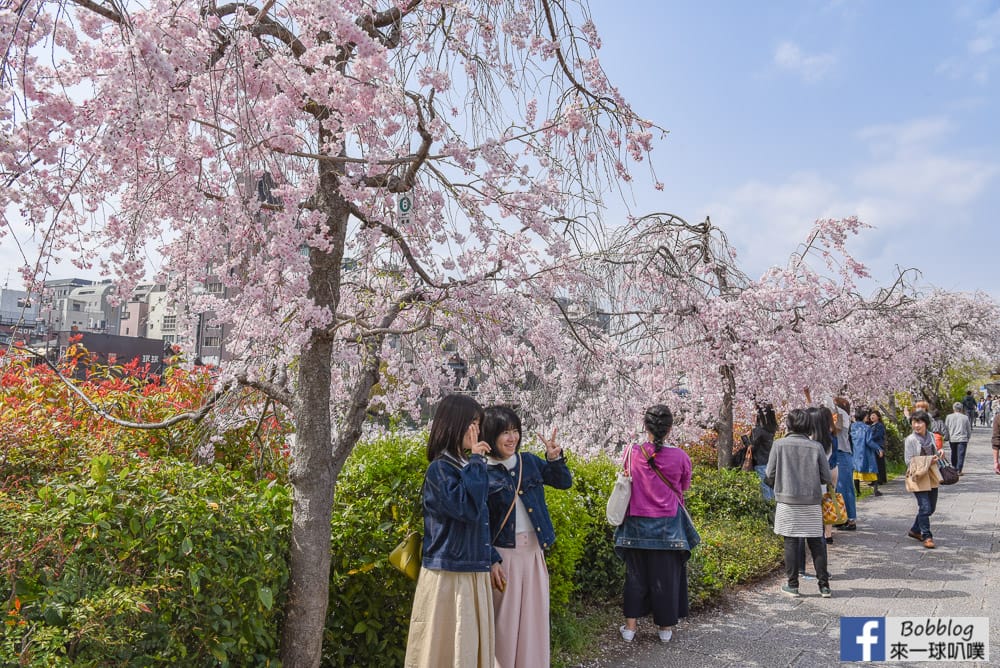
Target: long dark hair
[
  {"x": 497, "y": 420},
  {"x": 658, "y": 420},
  {"x": 822, "y": 424},
  {"x": 451, "y": 418},
  {"x": 766, "y": 419}
]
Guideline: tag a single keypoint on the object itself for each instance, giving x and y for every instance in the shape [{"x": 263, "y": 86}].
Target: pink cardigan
[{"x": 651, "y": 497}]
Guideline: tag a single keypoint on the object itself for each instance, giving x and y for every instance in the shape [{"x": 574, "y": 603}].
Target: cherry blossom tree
[
  {"x": 684, "y": 317},
  {"x": 268, "y": 144}
]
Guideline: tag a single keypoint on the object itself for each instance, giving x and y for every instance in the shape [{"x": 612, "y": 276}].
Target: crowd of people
[{"x": 482, "y": 596}]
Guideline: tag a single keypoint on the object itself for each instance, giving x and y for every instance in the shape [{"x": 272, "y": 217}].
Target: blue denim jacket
[
  {"x": 656, "y": 533},
  {"x": 537, "y": 472},
  {"x": 456, "y": 521}
]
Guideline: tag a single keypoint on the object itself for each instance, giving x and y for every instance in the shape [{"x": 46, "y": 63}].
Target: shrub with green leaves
[{"x": 143, "y": 563}]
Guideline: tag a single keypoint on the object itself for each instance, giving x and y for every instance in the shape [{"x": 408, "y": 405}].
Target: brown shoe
[
  {"x": 929, "y": 544},
  {"x": 914, "y": 534}
]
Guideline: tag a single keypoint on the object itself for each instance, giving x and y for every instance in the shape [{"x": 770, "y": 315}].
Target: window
[
  {"x": 169, "y": 323},
  {"x": 211, "y": 341},
  {"x": 126, "y": 315},
  {"x": 214, "y": 287},
  {"x": 23, "y": 302}
]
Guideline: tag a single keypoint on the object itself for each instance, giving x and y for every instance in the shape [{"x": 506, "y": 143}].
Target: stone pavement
[{"x": 876, "y": 571}]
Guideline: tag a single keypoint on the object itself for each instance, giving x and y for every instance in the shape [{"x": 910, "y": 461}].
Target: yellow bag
[
  {"x": 407, "y": 555},
  {"x": 834, "y": 510}
]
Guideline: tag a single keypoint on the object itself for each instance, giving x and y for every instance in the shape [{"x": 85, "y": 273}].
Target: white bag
[{"x": 621, "y": 493}]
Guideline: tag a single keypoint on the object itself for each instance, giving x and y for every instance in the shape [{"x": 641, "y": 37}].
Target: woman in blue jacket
[
  {"x": 522, "y": 533},
  {"x": 866, "y": 452},
  {"x": 452, "y": 619}
]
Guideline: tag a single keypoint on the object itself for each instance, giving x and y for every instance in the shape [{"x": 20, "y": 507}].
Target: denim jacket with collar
[
  {"x": 537, "y": 472},
  {"x": 456, "y": 520}
]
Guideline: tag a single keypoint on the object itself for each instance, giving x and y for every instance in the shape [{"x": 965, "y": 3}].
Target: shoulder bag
[
  {"x": 520, "y": 471},
  {"x": 407, "y": 555},
  {"x": 948, "y": 473},
  {"x": 621, "y": 493},
  {"x": 834, "y": 509}
]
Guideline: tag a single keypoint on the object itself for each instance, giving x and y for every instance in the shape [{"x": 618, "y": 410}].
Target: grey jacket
[
  {"x": 959, "y": 427},
  {"x": 796, "y": 470}
]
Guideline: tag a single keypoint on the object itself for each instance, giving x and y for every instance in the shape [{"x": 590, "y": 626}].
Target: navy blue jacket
[
  {"x": 456, "y": 521},
  {"x": 537, "y": 472}
]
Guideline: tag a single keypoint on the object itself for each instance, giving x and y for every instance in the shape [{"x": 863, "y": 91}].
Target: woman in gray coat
[{"x": 797, "y": 470}]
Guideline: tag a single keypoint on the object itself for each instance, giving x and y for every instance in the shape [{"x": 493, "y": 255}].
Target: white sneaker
[
  {"x": 665, "y": 635},
  {"x": 627, "y": 634}
]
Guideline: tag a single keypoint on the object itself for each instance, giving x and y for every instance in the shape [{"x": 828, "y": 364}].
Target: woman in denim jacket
[
  {"x": 452, "y": 619},
  {"x": 522, "y": 532},
  {"x": 656, "y": 538}
]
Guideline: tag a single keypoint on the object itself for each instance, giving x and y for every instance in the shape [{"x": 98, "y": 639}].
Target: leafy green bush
[
  {"x": 725, "y": 494},
  {"x": 143, "y": 563},
  {"x": 377, "y": 503}
]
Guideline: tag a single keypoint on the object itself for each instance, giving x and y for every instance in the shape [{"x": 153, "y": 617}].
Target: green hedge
[
  {"x": 139, "y": 563},
  {"x": 157, "y": 563}
]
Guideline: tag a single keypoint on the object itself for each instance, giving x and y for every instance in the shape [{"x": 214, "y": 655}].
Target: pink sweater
[{"x": 651, "y": 497}]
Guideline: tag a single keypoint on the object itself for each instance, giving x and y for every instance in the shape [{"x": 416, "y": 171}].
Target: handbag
[
  {"x": 621, "y": 493},
  {"x": 407, "y": 555},
  {"x": 949, "y": 474},
  {"x": 748, "y": 456},
  {"x": 834, "y": 509}
]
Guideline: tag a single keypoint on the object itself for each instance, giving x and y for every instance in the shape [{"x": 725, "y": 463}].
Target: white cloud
[
  {"x": 912, "y": 184},
  {"x": 811, "y": 68},
  {"x": 982, "y": 51},
  {"x": 765, "y": 222},
  {"x": 908, "y": 137}
]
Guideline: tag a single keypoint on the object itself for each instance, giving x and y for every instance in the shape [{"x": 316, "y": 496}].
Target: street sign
[{"x": 404, "y": 207}]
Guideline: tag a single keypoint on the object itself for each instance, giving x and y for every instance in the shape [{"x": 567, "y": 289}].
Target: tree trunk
[
  {"x": 724, "y": 424},
  {"x": 313, "y": 471},
  {"x": 312, "y": 478}
]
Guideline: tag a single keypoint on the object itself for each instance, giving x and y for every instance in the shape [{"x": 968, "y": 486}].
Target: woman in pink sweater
[{"x": 656, "y": 538}]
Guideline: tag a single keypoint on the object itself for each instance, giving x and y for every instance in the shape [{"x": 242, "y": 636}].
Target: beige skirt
[
  {"x": 522, "y": 609},
  {"x": 452, "y": 621}
]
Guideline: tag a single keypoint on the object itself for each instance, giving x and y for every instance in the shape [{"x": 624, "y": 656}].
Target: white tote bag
[{"x": 622, "y": 491}]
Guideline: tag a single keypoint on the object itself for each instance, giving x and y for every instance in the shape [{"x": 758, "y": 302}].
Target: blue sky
[{"x": 783, "y": 112}]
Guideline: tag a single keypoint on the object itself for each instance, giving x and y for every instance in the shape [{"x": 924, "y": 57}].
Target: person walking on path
[
  {"x": 797, "y": 469},
  {"x": 866, "y": 452},
  {"x": 959, "y": 432},
  {"x": 921, "y": 444},
  {"x": 878, "y": 438},
  {"x": 996, "y": 443},
  {"x": 892, "y": 576},
  {"x": 845, "y": 461},
  {"x": 969, "y": 403}
]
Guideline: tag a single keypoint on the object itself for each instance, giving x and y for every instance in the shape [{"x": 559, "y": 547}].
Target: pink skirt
[{"x": 522, "y": 609}]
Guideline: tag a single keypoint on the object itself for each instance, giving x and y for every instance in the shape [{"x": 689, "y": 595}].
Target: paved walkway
[{"x": 876, "y": 571}]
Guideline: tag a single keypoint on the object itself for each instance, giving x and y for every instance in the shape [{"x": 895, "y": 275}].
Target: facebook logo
[{"x": 862, "y": 638}]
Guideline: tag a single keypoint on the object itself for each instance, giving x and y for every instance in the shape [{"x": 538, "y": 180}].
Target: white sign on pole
[{"x": 404, "y": 207}]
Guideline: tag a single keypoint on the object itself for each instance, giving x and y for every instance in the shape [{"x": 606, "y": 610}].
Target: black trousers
[
  {"x": 817, "y": 546},
  {"x": 656, "y": 582}
]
